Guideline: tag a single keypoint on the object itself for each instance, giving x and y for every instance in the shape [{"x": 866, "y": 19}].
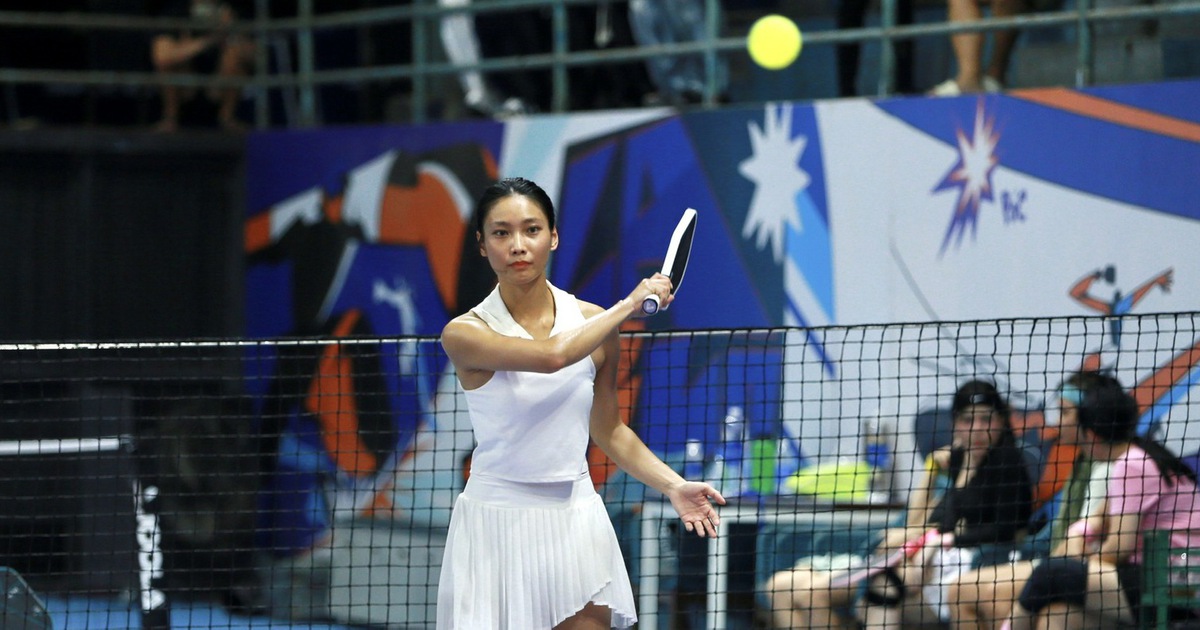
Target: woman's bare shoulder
[
  {"x": 465, "y": 323},
  {"x": 588, "y": 309}
]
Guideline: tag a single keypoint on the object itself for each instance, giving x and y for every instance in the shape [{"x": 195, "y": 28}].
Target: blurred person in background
[
  {"x": 853, "y": 14},
  {"x": 678, "y": 79},
  {"x": 212, "y": 50},
  {"x": 984, "y": 598},
  {"x": 968, "y": 49},
  {"x": 972, "y": 504},
  {"x": 1098, "y": 582}
]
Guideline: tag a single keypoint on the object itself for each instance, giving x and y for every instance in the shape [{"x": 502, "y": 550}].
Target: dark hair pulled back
[
  {"x": 508, "y": 187},
  {"x": 1111, "y": 414}
]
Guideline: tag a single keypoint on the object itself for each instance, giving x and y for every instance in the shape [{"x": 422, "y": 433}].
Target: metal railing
[{"x": 423, "y": 14}]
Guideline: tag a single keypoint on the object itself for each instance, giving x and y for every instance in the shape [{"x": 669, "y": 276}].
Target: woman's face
[
  {"x": 977, "y": 428},
  {"x": 517, "y": 239},
  {"x": 1068, "y": 423}
]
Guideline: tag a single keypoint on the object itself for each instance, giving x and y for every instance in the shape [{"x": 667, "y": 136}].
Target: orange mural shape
[{"x": 331, "y": 400}]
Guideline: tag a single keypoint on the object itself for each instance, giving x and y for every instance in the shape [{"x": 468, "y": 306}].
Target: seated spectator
[
  {"x": 975, "y": 493},
  {"x": 984, "y": 598},
  {"x": 968, "y": 49},
  {"x": 215, "y": 51},
  {"x": 1097, "y": 583}
]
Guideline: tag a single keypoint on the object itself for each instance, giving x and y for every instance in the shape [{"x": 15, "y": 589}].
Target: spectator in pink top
[{"x": 1098, "y": 584}]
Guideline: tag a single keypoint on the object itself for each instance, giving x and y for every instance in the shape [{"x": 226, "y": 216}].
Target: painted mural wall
[{"x": 1030, "y": 204}]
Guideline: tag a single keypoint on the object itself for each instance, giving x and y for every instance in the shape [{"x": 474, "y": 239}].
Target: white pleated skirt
[{"x": 526, "y": 556}]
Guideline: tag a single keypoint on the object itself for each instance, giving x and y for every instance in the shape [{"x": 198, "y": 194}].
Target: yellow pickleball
[{"x": 774, "y": 42}]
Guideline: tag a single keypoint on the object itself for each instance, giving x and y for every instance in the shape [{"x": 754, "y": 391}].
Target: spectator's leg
[
  {"x": 686, "y": 19},
  {"x": 170, "y": 108},
  {"x": 1002, "y": 45},
  {"x": 850, "y": 14},
  {"x": 1106, "y": 605},
  {"x": 968, "y": 46},
  {"x": 171, "y": 95},
  {"x": 1066, "y": 593},
  {"x": 1019, "y": 619},
  {"x": 237, "y": 57},
  {"x": 1061, "y": 616},
  {"x": 984, "y": 598},
  {"x": 649, "y": 28},
  {"x": 912, "y": 611},
  {"x": 885, "y": 601},
  {"x": 457, "y": 31},
  {"x": 803, "y": 599},
  {"x": 905, "y": 84}
]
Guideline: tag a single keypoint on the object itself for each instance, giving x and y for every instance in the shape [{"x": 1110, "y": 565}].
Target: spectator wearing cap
[{"x": 973, "y": 503}]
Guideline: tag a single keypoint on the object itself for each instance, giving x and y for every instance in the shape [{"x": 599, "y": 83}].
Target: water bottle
[
  {"x": 693, "y": 460},
  {"x": 877, "y": 453},
  {"x": 763, "y": 457},
  {"x": 728, "y": 473}
]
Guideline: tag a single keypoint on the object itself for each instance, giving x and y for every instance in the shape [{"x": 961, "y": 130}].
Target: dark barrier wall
[{"x": 107, "y": 235}]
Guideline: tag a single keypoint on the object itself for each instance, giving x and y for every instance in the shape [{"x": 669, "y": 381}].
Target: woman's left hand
[{"x": 692, "y": 500}]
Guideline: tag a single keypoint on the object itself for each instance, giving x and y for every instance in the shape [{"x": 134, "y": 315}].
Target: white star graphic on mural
[
  {"x": 971, "y": 174},
  {"x": 774, "y": 167}
]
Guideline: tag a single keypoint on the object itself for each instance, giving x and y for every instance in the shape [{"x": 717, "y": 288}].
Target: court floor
[{"x": 80, "y": 613}]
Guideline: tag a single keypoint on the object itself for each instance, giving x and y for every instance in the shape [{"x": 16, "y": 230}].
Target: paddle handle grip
[{"x": 650, "y": 305}]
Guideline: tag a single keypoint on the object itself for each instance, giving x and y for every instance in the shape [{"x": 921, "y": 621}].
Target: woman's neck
[
  {"x": 531, "y": 305},
  {"x": 1110, "y": 452}
]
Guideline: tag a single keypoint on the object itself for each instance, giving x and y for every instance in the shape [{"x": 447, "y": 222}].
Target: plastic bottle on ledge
[
  {"x": 877, "y": 452},
  {"x": 727, "y": 472},
  {"x": 763, "y": 457},
  {"x": 693, "y": 460}
]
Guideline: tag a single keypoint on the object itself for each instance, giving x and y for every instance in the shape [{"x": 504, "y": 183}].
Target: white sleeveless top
[{"x": 532, "y": 427}]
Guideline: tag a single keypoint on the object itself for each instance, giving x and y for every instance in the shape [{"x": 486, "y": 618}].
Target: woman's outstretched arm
[
  {"x": 473, "y": 346},
  {"x": 692, "y": 500}
]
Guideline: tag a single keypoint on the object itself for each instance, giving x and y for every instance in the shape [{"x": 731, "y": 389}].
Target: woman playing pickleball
[{"x": 530, "y": 543}]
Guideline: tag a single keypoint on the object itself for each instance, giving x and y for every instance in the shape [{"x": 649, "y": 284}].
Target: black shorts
[{"x": 206, "y": 62}]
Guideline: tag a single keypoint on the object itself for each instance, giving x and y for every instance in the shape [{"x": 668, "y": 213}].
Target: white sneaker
[
  {"x": 992, "y": 86},
  {"x": 488, "y": 104},
  {"x": 949, "y": 87},
  {"x": 482, "y": 102},
  {"x": 514, "y": 106}
]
